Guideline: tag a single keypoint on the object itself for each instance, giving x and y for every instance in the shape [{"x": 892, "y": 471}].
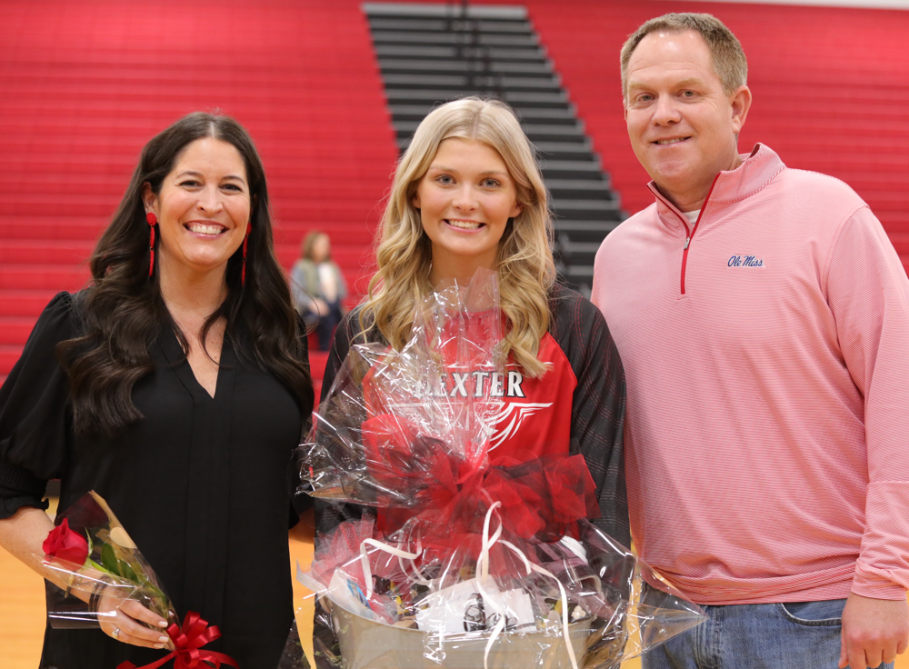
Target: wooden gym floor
[{"x": 22, "y": 613}]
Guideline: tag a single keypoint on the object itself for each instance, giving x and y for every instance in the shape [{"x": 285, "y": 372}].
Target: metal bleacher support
[{"x": 432, "y": 53}]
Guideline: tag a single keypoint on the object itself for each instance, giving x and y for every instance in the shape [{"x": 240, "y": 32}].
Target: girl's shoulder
[
  {"x": 572, "y": 312},
  {"x": 350, "y": 329}
]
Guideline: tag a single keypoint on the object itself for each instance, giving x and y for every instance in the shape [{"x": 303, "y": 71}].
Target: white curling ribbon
[
  {"x": 488, "y": 542},
  {"x": 364, "y": 559},
  {"x": 574, "y": 546},
  {"x": 540, "y": 570},
  {"x": 417, "y": 574},
  {"x": 483, "y": 564}
]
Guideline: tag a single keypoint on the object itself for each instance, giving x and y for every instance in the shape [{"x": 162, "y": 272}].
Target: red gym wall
[
  {"x": 84, "y": 84},
  {"x": 830, "y": 85}
]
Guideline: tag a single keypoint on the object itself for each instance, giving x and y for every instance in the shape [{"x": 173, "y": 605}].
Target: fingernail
[
  {"x": 162, "y": 623},
  {"x": 162, "y": 639}
]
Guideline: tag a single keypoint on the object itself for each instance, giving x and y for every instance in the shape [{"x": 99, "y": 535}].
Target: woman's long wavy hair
[
  {"x": 122, "y": 311},
  {"x": 524, "y": 265}
]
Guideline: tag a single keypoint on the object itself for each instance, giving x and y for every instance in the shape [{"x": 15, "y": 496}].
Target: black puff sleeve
[{"x": 35, "y": 415}]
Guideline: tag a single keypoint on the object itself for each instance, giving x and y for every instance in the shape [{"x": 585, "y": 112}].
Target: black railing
[
  {"x": 437, "y": 52},
  {"x": 482, "y": 77}
]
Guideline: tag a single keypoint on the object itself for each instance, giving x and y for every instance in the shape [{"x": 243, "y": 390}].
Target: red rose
[{"x": 62, "y": 543}]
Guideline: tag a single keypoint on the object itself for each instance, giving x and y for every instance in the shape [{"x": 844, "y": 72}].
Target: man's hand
[{"x": 874, "y": 631}]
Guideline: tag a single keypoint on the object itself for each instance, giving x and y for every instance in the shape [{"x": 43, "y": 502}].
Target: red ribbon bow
[
  {"x": 194, "y": 634},
  {"x": 447, "y": 499}
]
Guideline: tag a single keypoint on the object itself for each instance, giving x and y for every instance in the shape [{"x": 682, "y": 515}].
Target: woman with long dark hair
[{"x": 175, "y": 385}]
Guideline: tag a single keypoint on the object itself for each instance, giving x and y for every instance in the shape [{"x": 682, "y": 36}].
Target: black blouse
[{"x": 200, "y": 484}]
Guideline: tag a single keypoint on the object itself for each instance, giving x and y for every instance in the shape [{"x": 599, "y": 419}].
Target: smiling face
[
  {"x": 465, "y": 200},
  {"x": 682, "y": 125},
  {"x": 203, "y": 209}
]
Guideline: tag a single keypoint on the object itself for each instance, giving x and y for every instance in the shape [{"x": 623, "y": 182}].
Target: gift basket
[{"x": 462, "y": 557}]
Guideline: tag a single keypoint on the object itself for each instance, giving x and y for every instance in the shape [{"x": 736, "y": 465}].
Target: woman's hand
[{"x": 123, "y": 621}]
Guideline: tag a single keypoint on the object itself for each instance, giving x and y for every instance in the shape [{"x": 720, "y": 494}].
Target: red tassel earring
[
  {"x": 152, "y": 222},
  {"x": 245, "y": 246}
]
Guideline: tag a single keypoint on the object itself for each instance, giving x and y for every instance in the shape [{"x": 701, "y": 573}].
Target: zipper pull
[{"x": 687, "y": 242}]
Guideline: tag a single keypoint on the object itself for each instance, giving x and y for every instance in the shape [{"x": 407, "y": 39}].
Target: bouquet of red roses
[
  {"x": 462, "y": 559},
  {"x": 96, "y": 559},
  {"x": 95, "y": 556}
]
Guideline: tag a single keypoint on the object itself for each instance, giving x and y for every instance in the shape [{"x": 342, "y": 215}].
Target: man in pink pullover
[{"x": 762, "y": 317}]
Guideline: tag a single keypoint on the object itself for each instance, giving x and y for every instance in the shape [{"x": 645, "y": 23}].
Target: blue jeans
[{"x": 791, "y": 635}]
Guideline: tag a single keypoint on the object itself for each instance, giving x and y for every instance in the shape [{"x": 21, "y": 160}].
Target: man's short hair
[{"x": 728, "y": 57}]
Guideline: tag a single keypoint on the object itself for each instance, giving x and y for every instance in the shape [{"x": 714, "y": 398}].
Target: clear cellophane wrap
[
  {"x": 109, "y": 566},
  {"x": 460, "y": 559}
]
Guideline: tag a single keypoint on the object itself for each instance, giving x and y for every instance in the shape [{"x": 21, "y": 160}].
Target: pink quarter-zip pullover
[{"x": 767, "y": 362}]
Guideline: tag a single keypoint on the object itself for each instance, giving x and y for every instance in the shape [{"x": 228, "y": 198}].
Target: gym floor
[{"x": 22, "y": 612}]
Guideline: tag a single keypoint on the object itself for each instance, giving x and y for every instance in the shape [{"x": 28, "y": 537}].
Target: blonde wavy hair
[{"x": 524, "y": 264}]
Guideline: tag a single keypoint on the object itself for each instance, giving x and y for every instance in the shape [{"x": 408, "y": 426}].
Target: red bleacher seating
[
  {"x": 84, "y": 84},
  {"x": 829, "y": 84}
]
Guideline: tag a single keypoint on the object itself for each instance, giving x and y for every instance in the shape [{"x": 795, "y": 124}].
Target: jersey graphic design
[
  {"x": 509, "y": 420},
  {"x": 502, "y": 417},
  {"x": 476, "y": 384},
  {"x": 521, "y": 417}
]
